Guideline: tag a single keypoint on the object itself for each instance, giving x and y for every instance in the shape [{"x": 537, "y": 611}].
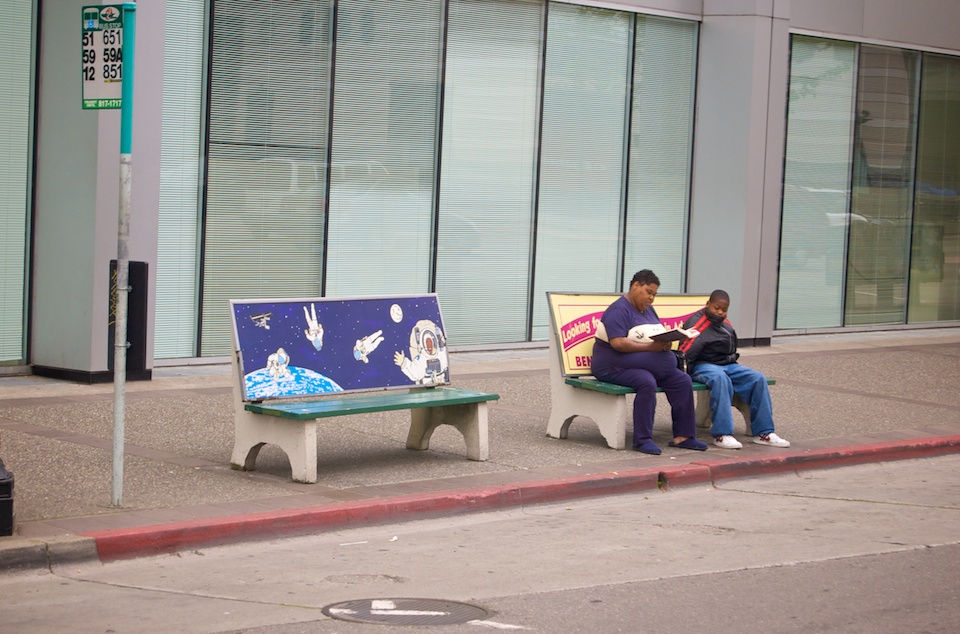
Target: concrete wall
[
  {"x": 919, "y": 23},
  {"x": 737, "y": 154},
  {"x": 682, "y": 8},
  {"x": 66, "y": 228},
  {"x": 148, "y": 129},
  {"x": 77, "y": 190}
]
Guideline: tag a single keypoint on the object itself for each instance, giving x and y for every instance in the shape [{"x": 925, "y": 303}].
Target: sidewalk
[{"x": 840, "y": 399}]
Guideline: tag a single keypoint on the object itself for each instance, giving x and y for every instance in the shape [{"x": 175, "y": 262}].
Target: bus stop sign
[{"x": 102, "y": 65}]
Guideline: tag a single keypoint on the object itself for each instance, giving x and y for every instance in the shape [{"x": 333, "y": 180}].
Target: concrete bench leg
[
  {"x": 705, "y": 417},
  {"x": 470, "y": 419},
  {"x": 298, "y": 439},
  {"x": 608, "y": 411},
  {"x": 744, "y": 410}
]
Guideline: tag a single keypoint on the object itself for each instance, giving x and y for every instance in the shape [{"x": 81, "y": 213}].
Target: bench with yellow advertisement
[{"x": 575, "y": 392}]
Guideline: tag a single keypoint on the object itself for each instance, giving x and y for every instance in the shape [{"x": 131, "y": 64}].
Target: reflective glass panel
[
  {"x": 935, "y": 253},
  {"x": 816, "y": 184},
  {"x": 882, "y": 187}
]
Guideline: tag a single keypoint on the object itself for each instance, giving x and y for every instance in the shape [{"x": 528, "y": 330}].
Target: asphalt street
[{"x": 869, "y": 548}]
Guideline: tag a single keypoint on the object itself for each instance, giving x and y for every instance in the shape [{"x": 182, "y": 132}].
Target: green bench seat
[
  {"x": 606, "y": 404},
  {"x": 590, "y": 383},
  {"x": 381, "y": 402}
]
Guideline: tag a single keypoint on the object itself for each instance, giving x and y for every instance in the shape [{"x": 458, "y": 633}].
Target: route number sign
[{"x": 102, "y": 66}]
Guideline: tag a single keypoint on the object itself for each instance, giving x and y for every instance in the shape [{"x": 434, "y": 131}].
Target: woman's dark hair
[{"x": 644, "y": 277}]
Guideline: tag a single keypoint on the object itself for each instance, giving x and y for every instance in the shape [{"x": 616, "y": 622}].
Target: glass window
[
  {"x": 407, "y": 110},
  {"x": 816, "y": 183},
  {"x": 266, "y": 160},
  {"x": 935, "y": 254},
  {"x": 175, "y": 330},
  {"x": 491, "y": 105},
  {"x": 661, "y": 146},
  {"x": 882, "y": 193},
  {"x": 581, "y": 155},
  {"x": 384, "y": 147},
  {"x": 16, "y": 77}
]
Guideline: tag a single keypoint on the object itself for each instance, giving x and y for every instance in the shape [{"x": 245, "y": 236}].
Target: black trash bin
[{"x": 6, "y": 501}]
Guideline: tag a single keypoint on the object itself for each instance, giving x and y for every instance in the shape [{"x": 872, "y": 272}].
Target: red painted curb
[
  {"x": 680, "y": 475},
  {"x": 588, "y": 486},
  {"x": 127, "y": 543},
  {"x": 115, "y": 544},
  {"x": 834, "y": 457}
]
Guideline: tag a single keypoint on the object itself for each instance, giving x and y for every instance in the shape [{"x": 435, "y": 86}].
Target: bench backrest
[
  {"x": 574, "y": 318},
  {"x": 308, "y": 347}
]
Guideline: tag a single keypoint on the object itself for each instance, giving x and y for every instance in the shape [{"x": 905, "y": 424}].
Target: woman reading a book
[{"x": 623, "y": 353}]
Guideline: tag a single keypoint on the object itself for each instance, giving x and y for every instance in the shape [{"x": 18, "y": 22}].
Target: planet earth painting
[{"x": 300, "y": 381}]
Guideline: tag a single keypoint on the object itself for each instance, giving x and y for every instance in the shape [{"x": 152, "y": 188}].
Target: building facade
[{"x": 804, "y": 156}]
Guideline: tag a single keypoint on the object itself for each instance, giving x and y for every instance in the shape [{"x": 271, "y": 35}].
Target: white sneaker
[
  {"x": 771, "y": 440},
  {"x": 727, "y": 442}
]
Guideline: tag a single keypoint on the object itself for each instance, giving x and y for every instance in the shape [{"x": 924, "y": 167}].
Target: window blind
[
  {"x": 491, "y": 106},
  {"x": 582, "y": 151},
  {"x": 175, "y": 319},
  {"x": 661, "y": 147},
  {"x": 266, "y": 170},
  {"x": 816, "y": 187},
  {"x": 384, "y": 147},
  {"x": 16, "y": 76}
]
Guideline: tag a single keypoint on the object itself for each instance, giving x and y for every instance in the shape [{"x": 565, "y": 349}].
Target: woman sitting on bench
[{"x": 619, "y": 357}]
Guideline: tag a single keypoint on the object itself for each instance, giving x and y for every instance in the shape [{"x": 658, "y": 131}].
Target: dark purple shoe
[
  {"x": 690, "y": 443},
  {"x": 650, "y": 447}
]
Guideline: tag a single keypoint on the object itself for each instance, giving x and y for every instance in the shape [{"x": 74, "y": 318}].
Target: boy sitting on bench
[{"x": 712, "y": 359}]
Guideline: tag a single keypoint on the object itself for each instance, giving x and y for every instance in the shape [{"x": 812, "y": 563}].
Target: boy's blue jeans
[{"x": 751, "y": 386}]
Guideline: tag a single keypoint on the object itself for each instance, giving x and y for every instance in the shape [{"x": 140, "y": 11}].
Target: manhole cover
[{"x": 405, "y": 611}]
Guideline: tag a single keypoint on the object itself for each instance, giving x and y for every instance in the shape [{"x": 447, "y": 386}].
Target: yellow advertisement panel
[{"x": 574, "y": 317}]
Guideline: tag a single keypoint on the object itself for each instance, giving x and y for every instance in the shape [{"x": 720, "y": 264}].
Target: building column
[
  {"x": 738, "y": 158},
  {"x": 77, "y": 197}
]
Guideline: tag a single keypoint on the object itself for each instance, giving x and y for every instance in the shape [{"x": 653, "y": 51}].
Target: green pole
[{"x": 123, "y": 256}]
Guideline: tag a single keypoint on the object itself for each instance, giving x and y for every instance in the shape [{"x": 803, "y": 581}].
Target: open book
[
  {"x": 657, "y": 332},
  {"x": 675, "y": 334}
]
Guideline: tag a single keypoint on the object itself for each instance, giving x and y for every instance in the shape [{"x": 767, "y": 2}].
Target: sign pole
[{"x": 123, "y": 256}]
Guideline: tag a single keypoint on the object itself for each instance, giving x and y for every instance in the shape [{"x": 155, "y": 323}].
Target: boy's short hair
[
  {"x": 719, "y": 295},
  {"x": 644, "y": 277}
]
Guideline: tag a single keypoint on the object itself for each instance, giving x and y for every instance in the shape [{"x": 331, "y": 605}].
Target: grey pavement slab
[{"x": 833, "y": 391}]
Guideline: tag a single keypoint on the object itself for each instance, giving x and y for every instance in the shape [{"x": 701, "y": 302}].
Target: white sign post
[{"x": 104, "y": 86}]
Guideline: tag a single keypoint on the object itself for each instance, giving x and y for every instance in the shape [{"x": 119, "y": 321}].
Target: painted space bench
[{"x": 298, "y": 361}]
